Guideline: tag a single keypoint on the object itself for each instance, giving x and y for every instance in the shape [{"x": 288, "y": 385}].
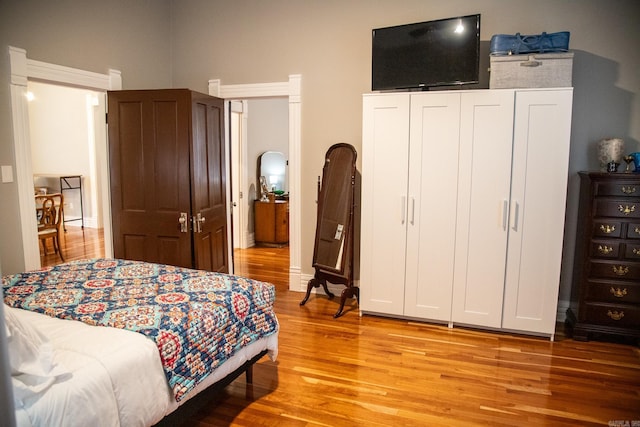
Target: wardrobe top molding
[{"x": 516, "y": 89}]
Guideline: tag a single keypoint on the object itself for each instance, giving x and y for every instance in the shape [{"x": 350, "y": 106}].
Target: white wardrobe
[{"x": 463, "y": 204}]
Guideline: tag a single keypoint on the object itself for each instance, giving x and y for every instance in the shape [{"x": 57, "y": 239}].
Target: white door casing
[{"x": 23, "y": 69}]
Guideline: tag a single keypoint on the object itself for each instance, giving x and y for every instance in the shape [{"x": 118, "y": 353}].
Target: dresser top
[{"x": 611, "y": 176}]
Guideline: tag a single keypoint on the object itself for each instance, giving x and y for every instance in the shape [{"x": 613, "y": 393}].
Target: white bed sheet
[{"x": 117, "y": 378}]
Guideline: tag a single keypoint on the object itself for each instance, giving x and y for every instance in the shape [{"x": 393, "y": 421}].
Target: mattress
[
  {"x": 108, "y": 374},
  {"x": 127, "y": 342}
]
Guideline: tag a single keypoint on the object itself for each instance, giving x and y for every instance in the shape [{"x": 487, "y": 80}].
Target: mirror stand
[{"x": 333, "y": 252}]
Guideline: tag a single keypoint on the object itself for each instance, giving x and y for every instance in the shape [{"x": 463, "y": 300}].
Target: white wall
[
  {"x": 329, "y": 44},
  {"x": 61, "y": 145}
]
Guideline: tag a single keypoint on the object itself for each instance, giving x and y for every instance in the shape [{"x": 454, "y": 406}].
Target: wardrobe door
[
  {"x": 539, "y": 185},
  {"x": 385, "y": 154},
  {"x": 432, "y": 204},
  {"x": 483, "y": 206}
]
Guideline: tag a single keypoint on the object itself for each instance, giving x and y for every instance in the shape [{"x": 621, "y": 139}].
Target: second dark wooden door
[{"x": 208, "y": 183}]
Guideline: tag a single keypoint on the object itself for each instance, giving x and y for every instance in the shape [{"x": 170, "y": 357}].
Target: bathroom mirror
[{"x": 273, "y": 167}]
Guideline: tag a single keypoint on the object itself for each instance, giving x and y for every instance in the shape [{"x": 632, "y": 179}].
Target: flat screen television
[{"x": 443, "y": 52}]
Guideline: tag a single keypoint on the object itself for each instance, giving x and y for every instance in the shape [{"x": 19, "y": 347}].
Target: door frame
[
  {"x": 239, "y": 176},
  {"x": 23, "y": 70},
  {"x": 292, "y": 90}
]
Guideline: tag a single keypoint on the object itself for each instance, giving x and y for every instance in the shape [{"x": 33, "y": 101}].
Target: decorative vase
[
  {"x": 610, "y": 150},
  {"x": 636, "y": 161}
]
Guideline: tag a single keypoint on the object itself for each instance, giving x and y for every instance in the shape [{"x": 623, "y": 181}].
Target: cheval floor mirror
[{"x": 333, "y": 253}]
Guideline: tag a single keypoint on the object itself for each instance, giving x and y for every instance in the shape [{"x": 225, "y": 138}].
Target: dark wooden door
[
  {"x": 208, "y": 186},
  {"x": 166, "y": 166}
]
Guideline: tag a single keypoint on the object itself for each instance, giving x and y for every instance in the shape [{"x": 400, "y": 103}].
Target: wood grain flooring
[
  {"x": 376, "y": 371},
  {"x": 75, "y": 243}
]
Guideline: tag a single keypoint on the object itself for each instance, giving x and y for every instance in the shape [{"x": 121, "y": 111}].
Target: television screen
[{"x": 434, "y": 53}]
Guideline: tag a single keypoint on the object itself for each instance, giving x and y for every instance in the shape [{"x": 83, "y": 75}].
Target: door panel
[
  {"x": 149, "y": 161},
  {"x": 209, "y": 184},
  {"x": 385, "y": 156},
  {"x": 482, "y": 214},
  {"x": 541, "y": 155},
  {"x": 433, "y": 166}
]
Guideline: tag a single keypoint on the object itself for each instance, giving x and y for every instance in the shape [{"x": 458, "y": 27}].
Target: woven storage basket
[{"x": 532, "y": 70}]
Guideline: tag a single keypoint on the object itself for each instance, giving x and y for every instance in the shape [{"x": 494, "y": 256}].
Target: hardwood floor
[
  {"x": 377, "y": 371},
  {"x": 75, "y": 243}
]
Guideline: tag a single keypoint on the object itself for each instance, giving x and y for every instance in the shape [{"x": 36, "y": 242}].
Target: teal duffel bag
[{"x": 507, "y": 44}]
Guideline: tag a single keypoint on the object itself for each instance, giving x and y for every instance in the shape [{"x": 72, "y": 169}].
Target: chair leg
[
  {"x": 56, "y": 247},
  {"x": 44, "y": 246}
]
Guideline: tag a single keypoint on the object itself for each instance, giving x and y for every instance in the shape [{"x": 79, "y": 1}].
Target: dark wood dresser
[
  {"x": 272, "y": 222},
  {"x": 606, "y": 276}
]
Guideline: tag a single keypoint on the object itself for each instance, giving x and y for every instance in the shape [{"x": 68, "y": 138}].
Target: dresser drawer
[
  {"x": 613, "y": 292},
  {"x": 615, "y": 270},
  {"x": 605, "y": 249},
  {"x": 618, "y": 189},
  {"x": 633, "y": 230},
  {"x": 618, "y": 208},
  {"x": 622, "y": 316},
  {"x": 604, "y": 228}
]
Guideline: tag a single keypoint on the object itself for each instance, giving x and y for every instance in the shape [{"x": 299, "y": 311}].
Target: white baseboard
[
  {"x": 89, "y": 222},
  {"x": 561, "y": 314}
]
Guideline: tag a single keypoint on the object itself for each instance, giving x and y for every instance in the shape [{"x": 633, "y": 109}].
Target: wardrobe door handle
[
  {"x": 403, "y": 209},
  {"x": 515, "y": 210},
  {"x": 505, "y": 214},
  {"x": 413, "y": 210}
]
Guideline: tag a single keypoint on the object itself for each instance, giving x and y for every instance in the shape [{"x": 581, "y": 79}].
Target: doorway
[
  {"x": 24, "y": 70},
  {"x": 256, "y": 126},
  {"x": 290, "y": 89},
  {"x": 65, "y": 127}
]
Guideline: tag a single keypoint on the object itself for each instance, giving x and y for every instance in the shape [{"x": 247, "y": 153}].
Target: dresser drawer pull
[
  {"x": 615, "y": 315},
  {"x": 607, "y": 228},
  {"x": 626, "y": 209},
  {"x": 605, "y": 250},
  {"x": 618, "y": 293},
  {"x": 628, "y": 190},
  {"x": 637, "y": 230},
  {"x": 621, "y": 270},
  {"x": 636, "y": 251}
]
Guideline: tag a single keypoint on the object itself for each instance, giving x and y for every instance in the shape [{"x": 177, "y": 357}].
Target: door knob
[
  {"x": 197, "y": 222},
  {"x": 184, "y": 222}
]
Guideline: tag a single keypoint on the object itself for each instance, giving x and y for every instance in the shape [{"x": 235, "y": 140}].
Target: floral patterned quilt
[{"x": 197, "y": 319}]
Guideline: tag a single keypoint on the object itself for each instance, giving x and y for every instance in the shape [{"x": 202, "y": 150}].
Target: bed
[{"x": 131, "y": 340}]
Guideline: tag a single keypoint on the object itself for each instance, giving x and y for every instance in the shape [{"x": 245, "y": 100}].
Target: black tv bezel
[{"x": 426, "y": 84}]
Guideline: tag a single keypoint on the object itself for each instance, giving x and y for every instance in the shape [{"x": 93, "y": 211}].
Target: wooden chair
[{"x": 50, "y": 214}]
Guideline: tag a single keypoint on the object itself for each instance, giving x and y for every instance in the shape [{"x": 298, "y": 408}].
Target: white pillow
[{"x": 30, "y": 356}]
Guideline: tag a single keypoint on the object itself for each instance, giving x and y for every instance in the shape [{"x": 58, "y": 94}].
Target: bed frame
[{"x": 197, "y": 402}]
